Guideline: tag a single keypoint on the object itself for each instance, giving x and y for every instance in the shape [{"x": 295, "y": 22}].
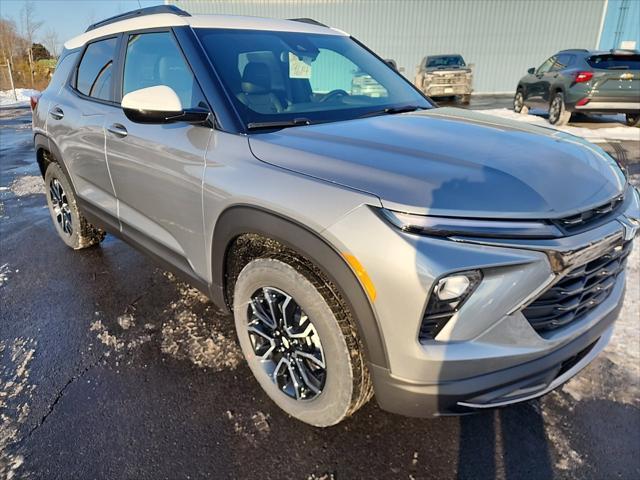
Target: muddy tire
[
  {"x": 72, "y": 227},
  {"x": 518, "y": 103},
  {"x": 299, "y": 341},
  {"x": 558, "y": 114},
  {"x": 632, "y": 119}
]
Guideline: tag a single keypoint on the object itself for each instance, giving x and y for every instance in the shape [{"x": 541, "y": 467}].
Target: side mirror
[
  {"x": 392, "y": 63},
  {"x": 531, "y": 71},
  {"x": 159, "y": 104}
]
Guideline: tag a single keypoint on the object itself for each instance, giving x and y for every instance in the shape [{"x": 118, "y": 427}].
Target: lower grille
[{"x": 579, "y": 292}]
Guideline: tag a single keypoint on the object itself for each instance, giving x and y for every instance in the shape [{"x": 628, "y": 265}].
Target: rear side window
[
  {"x": 63, "y": 69},
  {"x": 155, "y": 59},
  {"x": 95, "y": 72},
  {"x": 615, "y": 62}
]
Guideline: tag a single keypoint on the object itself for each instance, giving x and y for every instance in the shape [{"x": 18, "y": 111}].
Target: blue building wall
[{"x": 621, "y": 23}]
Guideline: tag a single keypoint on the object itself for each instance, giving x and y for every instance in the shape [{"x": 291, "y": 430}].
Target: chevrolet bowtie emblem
[{"x": 630, "y": 227}]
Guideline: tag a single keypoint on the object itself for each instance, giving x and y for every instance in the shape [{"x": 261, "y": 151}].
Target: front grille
[
  {"x": 589, "y": 218},
  {"x": 449, "y": 79},
  {"x": 579, "y": 292}
]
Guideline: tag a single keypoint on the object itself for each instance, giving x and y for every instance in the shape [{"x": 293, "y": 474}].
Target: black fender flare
[
  {"x": 43, "y": 142},
  {"x": 242, "y": 219}
]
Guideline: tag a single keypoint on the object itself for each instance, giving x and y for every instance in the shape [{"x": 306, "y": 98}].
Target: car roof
[{"x": 159, "y": 20}]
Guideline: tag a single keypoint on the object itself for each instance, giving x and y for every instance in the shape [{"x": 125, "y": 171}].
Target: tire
[
  {"x": 326, "y": 395},
  {"x": 72, "y": 227},
  {"x": 632, "y": 119},
  {"x": 518, "y": 103},
  {"x": 465, "y": 99},
  {"x": 558, "y": 114}
]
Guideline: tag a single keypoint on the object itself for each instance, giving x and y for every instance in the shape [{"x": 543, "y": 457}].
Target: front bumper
[
  {"x": 488, "y": 354},
  {"x": 495, "y": 389},
  {"x": 444, "y": 90}
]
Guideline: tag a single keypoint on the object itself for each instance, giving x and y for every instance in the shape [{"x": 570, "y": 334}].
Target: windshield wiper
[
  {"x": 393, "y": 110},
  {"x": 278, "y": 124}
]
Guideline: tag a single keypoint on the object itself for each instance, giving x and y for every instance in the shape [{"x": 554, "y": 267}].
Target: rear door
[
  {"x": 76, "y": 119},
  {"x": 157, "y": 169},
  {"x": 553, "y": 79}
]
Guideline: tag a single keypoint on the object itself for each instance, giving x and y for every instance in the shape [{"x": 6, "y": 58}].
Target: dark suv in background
[{"x": 583, "y": 81}]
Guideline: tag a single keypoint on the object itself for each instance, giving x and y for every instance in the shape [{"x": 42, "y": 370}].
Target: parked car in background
[
  {"x": 445, "y": 76},
  {"x": 584, "y": 81}
]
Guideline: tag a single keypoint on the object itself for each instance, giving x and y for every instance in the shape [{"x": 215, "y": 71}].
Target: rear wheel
[
  {"x": 558, "y": 114},
  {"x": 518, "y": 103},
  {"x": 72, "y": 227},
  {"x": 633, "y": 119},
  {"x": 299, "y": 341},
  {"x": 465, "y": 99}
]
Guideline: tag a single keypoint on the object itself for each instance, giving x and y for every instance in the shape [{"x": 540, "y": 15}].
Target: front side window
[
  {"x": 546, "y": 66},
  {"x": 95, "y": 72},
  {"x": 284, "y": 76},
  {"x": 155, "y": 59},
  {"x": 561, "y": 62}
]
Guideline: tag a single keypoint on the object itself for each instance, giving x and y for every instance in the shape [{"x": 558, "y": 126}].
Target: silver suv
[{"x": 444, "y": 260}]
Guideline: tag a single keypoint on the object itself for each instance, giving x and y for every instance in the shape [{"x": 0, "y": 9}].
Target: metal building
[{"x": 502, "y": 38}]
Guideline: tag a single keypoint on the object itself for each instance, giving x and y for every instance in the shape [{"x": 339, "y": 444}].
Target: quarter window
[
  {"x": 155, "y": 59},
  {"x": 95, "y": 72}
]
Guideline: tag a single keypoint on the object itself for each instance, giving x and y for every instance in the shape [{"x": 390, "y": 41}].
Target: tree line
[{"x": 29, "y": 52}]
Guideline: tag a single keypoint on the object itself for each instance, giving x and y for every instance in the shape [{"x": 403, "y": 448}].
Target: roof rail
[
  {"x": 139, "y": 13},
  {"x": 310, "y": 21},
  {"x": 574, "y": 50}
]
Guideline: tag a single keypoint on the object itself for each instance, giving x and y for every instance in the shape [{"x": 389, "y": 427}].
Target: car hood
[{"x": 453, "y": 162}]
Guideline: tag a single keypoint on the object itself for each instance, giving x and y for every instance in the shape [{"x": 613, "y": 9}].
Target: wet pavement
[{"x": 110, "y": 368}]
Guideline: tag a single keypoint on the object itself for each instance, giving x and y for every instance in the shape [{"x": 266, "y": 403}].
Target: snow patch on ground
[
  {"x": 27, "y": 185},
  {"x": 4, "y": 274},
  {"x": 187, "y": 335},
  {"x": 592, "y": 134},
  {"x": 7, "y": 98},
  {"x": 15, "y": 394},
  {"x": 250, "y": 428},
  {"x": 555, "y": 427}
]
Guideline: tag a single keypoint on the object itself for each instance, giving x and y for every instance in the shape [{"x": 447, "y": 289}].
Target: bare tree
[
  {"x": 52, "y": 42},
  {"x": 29, "y": 28}
]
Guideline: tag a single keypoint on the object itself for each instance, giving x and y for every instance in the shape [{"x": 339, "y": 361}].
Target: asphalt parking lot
[{"x": 110, "y": 368}]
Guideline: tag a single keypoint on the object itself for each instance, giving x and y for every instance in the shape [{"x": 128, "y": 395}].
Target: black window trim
[{"x": 74, "y": 77}]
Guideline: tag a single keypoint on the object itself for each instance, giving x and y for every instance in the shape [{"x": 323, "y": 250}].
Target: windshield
[
  {"x": 288, "y": 76},
  {"x": 445, "y": 61}
]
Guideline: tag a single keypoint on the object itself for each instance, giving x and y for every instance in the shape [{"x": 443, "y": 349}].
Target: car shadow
[{"x": 508, "y": 443}]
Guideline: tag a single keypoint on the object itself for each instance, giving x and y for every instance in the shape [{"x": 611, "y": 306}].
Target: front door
[{"x": 157, "y": 169}]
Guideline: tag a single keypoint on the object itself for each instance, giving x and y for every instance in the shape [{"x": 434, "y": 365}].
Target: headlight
[{"x": 467, "y": 227}]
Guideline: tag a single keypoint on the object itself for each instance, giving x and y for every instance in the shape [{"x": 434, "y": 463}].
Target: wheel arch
[
  {"x": 270, "y": 230},
  {"x": 48, "y": 152}
]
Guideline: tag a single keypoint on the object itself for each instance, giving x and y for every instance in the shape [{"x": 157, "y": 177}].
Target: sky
[{"x": 71, "y": 17}]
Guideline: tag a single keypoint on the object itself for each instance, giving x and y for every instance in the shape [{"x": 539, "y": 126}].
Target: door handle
[
  {"x": 118, "y": 130},
  {"x": 57, "y": 113}
]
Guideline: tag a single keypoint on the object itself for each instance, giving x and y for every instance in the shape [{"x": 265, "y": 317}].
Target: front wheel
[
  {"x": 72, "y": 227},
  {"x": 299, "y": 341},
  {"x": 633, "y": 119},
  {"x": 558, "y": 114},
  {"x": 518, "y": 103}
]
